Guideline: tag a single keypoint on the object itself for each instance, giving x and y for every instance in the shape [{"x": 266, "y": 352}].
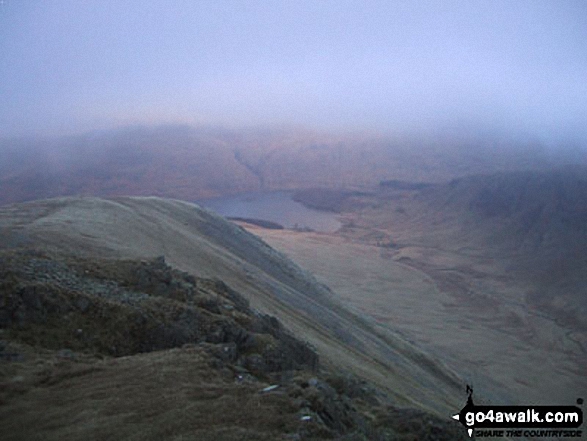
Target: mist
[
  {"x": 511, "y": 68},
  {"x": 311, "y": 219}
]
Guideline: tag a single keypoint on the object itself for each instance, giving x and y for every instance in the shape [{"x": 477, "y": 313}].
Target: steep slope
[
  {"x": 503, "y": 256},
  {"x": 205, "y": 245},
  {"x": 533, "y": 222},
  {"x": 122, "y": 349}
]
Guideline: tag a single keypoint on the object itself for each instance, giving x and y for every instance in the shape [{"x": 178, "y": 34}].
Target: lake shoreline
[{"x": 275, "y": 209}]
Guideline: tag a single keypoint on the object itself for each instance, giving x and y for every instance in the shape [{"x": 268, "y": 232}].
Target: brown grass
[{"x": 462, "y": 308}]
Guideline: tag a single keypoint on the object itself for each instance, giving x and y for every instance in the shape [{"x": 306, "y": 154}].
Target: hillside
[
  {"x": 167, "y": 161},
  {"x": 72, "y": 235},
  {"x": 486, "y": 272},
  {"x": 534, "y": 223},
  {"x": 104, "y": 349},
  {"x": 194, "y": 163}
]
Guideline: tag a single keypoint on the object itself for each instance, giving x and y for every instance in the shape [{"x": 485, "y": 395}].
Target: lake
[{"x": 274, "y": 206}]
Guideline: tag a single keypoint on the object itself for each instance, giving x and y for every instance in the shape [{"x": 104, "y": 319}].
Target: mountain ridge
[
  {"x": 194, "y": 163},
  {"x": 122, "y": 348},
  {"x": 200, "y": 242}
]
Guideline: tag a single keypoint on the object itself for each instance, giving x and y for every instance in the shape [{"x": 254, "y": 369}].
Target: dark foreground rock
[{"x": 102, "y": 349}]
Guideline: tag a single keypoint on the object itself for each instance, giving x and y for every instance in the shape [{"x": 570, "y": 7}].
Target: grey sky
[{"x": 515, "y": 66}]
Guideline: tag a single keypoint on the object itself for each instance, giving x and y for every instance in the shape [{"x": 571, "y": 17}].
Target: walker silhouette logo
[{"x": 514, "y": 421}]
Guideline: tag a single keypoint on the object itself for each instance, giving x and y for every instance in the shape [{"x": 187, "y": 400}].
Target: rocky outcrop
[
  {"x": 125, "y": 307},
  {"x": 88, "y": 328}
]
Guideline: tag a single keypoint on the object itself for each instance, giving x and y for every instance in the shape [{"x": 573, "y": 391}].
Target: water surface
[{"x": 274, "y": 206}]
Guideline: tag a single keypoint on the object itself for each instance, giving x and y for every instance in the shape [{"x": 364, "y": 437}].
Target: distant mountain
[
  {"x": 532, "y": 222},
  {"x": 195, "y": 163},
  {"x": 541, "y": 219},
  {"x": 169, "y": 161}
]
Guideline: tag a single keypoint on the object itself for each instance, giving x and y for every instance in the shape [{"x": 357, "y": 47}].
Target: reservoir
[{"x": 273, "y": 206}]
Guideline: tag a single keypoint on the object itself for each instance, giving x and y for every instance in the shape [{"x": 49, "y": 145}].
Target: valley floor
[{"x": 462, "y": 310}]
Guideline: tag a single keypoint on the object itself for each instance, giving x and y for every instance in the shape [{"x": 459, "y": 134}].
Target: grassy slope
[
  {"x": 465, "y": 319},
  {"x": 203, "y": 244},
  {"x": 119, "y": 349},
  {"x": 495, "y": 263}
]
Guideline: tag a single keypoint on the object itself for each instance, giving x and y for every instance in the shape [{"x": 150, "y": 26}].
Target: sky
[{"x": 518, "y": 67}]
